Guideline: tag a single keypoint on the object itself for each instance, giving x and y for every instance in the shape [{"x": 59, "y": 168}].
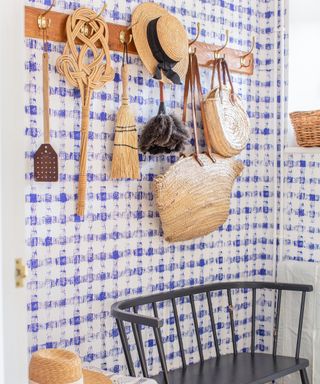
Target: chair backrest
[{"x": 127, "y": 311}]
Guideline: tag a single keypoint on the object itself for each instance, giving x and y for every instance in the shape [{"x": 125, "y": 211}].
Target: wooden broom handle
[
  {"x": 82, "y": 187},
  {"x": 45, "y": 71},
  {"x": 124, "y": 76}
]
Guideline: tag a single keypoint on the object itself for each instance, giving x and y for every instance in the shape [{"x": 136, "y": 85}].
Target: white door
[{"x": 13, "y": 325}]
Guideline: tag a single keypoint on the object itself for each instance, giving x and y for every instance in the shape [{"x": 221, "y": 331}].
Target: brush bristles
[
  {"x": 163, "y": 134},
  {"x": 125, "y": 157}
]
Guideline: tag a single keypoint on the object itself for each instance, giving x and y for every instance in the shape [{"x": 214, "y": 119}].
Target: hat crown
[
  {"x": 172, "y": 37},
  {"x": 55, "y": 366}
]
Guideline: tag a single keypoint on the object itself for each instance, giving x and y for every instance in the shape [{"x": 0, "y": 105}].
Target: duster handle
[
  {"x": 161, "y": 86},
  {"x": 162, "y": 107}
]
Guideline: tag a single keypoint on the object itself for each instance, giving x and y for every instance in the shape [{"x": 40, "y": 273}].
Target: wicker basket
[{"x": 307, "y": 128}]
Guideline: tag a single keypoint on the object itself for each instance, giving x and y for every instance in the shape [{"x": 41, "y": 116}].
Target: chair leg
[{"x": 304, "y": 376}]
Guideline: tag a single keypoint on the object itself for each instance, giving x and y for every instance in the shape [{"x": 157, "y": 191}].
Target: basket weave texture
[
  {"x": 229, "y": 123},
  {"x": 192, "y": 200},
  {"x": 59, "y": 366},
  {"x": 307, "y": 128}
]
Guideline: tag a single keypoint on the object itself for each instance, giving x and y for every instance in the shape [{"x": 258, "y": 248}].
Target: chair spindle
[
  {"x": 139, "y": 342},
  {"x": 253, "y": 321},
  {"x": 176, "y": 317},
  {"x": 162, "y": 356},
  {"x": 213, "y": 325},
  {"x": 126, "y": 348},
  {"x": 230, "y": 306},
  {"x": 302, "y": 305},
  {"x": 196, "y": 327},
  {"x": 276, "y": 324}
]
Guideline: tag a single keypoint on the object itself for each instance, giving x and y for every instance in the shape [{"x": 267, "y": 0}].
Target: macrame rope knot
[{"x": 86, "y": 64}]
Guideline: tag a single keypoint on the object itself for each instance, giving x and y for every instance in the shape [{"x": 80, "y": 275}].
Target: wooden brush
[{"x": 125, "y": 157}]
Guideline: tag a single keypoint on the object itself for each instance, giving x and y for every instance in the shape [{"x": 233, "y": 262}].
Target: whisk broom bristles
[{"x": 125, "y": 158}]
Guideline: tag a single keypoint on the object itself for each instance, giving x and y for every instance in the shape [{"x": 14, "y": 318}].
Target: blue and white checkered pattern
[
  {"x": 301, "y": 199},
  {"x": 301, "y": 207},
  {"x": 79, "y": 267}
]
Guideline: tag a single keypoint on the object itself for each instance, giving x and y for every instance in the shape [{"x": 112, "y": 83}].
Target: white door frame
[{"x": 13, "y": 310}]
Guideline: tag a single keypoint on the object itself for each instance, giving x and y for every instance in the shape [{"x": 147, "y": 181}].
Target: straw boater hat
[
  {"x": 58, "y": 366},
  {"x": 161, "y": 42}
]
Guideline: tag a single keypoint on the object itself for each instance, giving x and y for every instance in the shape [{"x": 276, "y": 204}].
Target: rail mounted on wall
[{"x": 238, "y": 61}]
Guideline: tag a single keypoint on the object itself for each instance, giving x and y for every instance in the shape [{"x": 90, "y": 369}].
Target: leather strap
[
  {"x": 226, "y": 72},
  {"x": 193, "y": 107},
  {"x": 202, "y": 109},
  {"x": 186, "y": 93},
  {"x": 221, "y": 67},
  {"x": 192, "y": 81}
]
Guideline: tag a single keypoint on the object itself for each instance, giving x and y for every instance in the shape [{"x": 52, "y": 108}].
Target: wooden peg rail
[{"x": 57, "y": 33}]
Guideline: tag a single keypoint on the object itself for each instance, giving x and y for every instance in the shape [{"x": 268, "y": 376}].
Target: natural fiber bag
[
  {"x": 193, "y": 196},
  {"x": 194, "y": 200},
  {"x": 227, "y": 121}
]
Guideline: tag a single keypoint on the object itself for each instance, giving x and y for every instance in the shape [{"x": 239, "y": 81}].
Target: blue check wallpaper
[
  {"x": 301, "y": 207},
  {"x": 79, "y": 267}
]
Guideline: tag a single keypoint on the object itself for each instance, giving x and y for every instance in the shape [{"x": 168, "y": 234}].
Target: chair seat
[{"x": 241, "y": 369}]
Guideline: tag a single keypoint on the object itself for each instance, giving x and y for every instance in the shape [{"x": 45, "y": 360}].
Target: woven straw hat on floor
[
  {"x": 171, "y": 39},
  {"x": 58, "y": 366}
]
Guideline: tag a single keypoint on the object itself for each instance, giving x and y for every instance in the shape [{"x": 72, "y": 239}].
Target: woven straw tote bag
[
  {"x": 193, "y": 196},
  {"x": 228, "y": 123}
]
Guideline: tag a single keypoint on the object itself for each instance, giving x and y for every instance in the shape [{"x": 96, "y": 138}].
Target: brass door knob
[{"x": 21, "y": 273}]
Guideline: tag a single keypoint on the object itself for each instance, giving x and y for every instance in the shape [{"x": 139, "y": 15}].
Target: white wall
[
  {"x": 304, "y": 57},
  {"x": 13, "y": 323}
]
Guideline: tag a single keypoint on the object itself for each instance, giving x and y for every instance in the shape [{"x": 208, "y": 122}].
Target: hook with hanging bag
[
  {"x": 194, "y": 200},
  {"x": 228, "y": 123},
  {"x": 192, "y": 83}
]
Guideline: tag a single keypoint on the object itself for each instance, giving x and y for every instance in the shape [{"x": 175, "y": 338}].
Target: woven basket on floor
[{"x": 307, "y": 128}]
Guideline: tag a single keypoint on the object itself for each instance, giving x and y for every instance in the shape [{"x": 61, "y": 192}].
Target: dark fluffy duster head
[{"x": 163, "y": 134}]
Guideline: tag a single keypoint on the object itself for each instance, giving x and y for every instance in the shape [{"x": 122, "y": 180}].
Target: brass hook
[
  {"x": 123, "y": 37},
  {"x": 243, "y": 59},
  {"x": 217, "y": 53},
  {"x": 197, "y": 35},
  {"x": 43, "y": 22},
  {"x": 85, "y": 28}
]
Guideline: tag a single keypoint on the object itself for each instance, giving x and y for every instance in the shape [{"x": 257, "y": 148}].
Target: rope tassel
[{"x": 85, "y": 74}]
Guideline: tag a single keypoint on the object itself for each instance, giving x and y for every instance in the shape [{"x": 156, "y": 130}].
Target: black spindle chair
[{"x": 235, "y": 368}]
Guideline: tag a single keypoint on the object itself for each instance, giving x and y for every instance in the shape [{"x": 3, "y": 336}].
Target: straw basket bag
[
  {"x": 307, "y": 128},
  {"x": 193, "y": 196},
  {"x": 58, "y": 366},
  {"x": 227, "y": 120}
]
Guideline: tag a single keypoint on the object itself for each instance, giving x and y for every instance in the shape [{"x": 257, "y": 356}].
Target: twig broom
[{"x": 125, "y": 157}]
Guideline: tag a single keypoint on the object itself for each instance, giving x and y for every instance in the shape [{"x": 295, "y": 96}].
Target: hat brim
[
  {"x": 141, "y": 17},
  {"x": 92, "y": 377}
]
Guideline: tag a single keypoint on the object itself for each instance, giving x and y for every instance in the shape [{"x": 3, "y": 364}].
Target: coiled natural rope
[{"x": 85, "y": 73}]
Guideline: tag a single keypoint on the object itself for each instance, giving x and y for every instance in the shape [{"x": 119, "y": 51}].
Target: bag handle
[
  {"x": 221, "y": 66},
  {"x": 227, "y": 72},
  {"x": 192, "y": 81},
  {"x": 209, "y": 150},
  {"x": 217, "y": 67}
]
